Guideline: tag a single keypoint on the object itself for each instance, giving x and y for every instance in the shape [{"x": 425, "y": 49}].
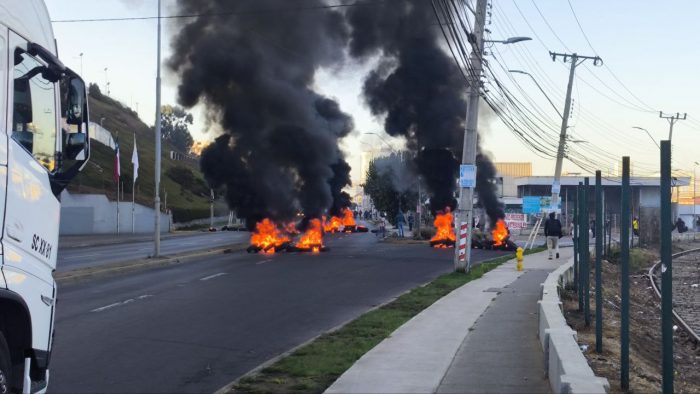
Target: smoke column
[
  {"x": 254, "y": 73},
  {"x": 419, "y": 90},
  {"x": 416, "y": 86}
]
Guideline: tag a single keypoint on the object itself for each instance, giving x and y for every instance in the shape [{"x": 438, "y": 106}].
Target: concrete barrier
[{"x": 565, "y": 365}]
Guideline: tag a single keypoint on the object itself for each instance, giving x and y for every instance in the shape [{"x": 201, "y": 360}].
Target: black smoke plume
[
  {"x": 420, "y": 91},
  {"x": 416, "y": 86},
  {"x": 487, "y": 190},
  {"x": 254, "y": 73}
]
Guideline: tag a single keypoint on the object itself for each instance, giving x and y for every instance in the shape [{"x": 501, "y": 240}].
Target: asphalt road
[
  {"x": 196, "y": 327},
  {"x": 74, "y": 258}
]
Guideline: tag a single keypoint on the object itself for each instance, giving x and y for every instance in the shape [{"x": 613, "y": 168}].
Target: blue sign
[
  {"x": 531, "y": 204},
  {"x": 537, "y": 204},
  {"x": 467, "y": 175}
]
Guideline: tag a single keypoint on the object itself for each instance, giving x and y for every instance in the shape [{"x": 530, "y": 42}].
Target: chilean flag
[{"x": 117, "y": 164}]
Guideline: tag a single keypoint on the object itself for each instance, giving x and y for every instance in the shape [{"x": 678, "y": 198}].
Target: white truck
[{"x": 44, "y": 143}]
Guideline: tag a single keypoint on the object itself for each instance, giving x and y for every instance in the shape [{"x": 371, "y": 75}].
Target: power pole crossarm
[{"x": 672, "y": 119}]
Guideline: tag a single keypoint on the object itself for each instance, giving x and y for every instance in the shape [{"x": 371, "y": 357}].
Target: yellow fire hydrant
[{"x": 519, "y": 258}]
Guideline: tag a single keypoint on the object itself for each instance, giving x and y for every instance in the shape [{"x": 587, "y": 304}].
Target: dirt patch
[{"x": 645, "y": 334}]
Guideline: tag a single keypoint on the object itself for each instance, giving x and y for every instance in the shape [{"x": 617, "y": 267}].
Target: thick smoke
[
  {"x": 487, "y": 189},
  {"x": 420, "y": 91},
  {"x": 254, "y": 73},
  {"x": 416, "y": 86}
]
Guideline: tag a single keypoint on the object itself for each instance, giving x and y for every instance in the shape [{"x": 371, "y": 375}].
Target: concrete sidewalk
[{"x": 481, "y": 337}]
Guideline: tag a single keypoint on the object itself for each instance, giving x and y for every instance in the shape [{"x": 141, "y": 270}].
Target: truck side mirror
[
  {"x": 76, "y": 100},
  {"x": 75, "y": 144}
]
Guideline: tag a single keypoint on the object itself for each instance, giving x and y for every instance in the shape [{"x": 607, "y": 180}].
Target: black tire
[{"x": 5, "y": 366}]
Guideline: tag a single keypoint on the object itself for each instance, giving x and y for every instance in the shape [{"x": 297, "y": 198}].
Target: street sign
[{"x": 467, "y": 175}]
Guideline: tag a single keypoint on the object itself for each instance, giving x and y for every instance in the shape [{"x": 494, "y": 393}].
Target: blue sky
[{"x": 647, "y": 45}]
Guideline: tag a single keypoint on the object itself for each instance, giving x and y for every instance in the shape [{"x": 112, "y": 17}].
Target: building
[{"x": 644, "y": 194}]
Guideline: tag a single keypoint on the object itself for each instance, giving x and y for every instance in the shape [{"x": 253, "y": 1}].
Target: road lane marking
[
  {"x": 213, "y": 276},
  {"x": 116, "y": 304},
  {"x": 263, "y": 262}
]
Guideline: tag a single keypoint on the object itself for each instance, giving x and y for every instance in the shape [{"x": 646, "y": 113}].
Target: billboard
[{"x": 538, "y": 204}]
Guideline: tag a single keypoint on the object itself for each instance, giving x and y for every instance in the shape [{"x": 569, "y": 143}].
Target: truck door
[{"x": 30, "y": 235}]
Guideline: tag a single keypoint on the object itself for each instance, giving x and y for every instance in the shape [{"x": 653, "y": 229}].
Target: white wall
[{"x": 95, "y": 214}]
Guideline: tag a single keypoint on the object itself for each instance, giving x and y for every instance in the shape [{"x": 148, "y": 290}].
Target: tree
[
  {"x": 94, "y": 90},
  {"x": 383, "y": 175},
  {"x": 174, "y": 126}
]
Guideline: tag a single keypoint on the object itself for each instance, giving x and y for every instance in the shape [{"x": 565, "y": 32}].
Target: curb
[
  {"x": 123, "y": 267},
  {"x": 565, "y": 365},
  {"x": 227, "y": 388}
]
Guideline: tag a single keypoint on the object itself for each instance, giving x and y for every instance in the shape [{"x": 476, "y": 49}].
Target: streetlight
[
  {"x": 648, "y": 133},
  {"x": 465, "y": 212},
  {"x": 695, "y": 219},
  {"x": 510, "y": 40},
  {"x": 384, "y": 141},
  {"x": 106, "y": 81},
  {"x": 81, "y": 64},
  {"x": 539, "y": 87}
]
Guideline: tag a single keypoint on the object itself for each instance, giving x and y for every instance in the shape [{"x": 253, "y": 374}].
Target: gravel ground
[{"x": 645, "y": 335}]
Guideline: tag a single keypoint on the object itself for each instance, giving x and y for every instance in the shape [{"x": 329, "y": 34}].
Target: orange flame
[
  {"x": 267, "y": 237},
  {"x": 291, "y": 228},
  {"x": 313, "y": 237},
  {"x": 444, "y": 230},
  {"x": 499, "y": 233},
  {"x": 333, "y": 225},
  {"x": 348, "y": 218}
]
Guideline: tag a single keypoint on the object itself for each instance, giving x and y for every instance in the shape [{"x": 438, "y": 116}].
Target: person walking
[
  {"x": 400, "y": 221},
  {"x": 552, "y": 231},
  {"x": 410, "y": 222},
  {"x": 635, "y": 227}
]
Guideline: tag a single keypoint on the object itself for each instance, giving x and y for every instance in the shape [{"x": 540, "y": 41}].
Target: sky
[{"x": 646, "y": 46}]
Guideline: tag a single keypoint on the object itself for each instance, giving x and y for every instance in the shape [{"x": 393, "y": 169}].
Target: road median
[{"x": 127, "y": 266}]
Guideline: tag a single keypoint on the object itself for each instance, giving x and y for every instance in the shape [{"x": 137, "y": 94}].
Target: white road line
[
  {"x": 130, "y": 300},
  {"x": 263, "y": 262},
  {"x": 213, "y": 276}
]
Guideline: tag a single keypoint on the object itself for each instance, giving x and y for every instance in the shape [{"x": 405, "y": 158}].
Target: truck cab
[{"x": 44, "y": 143}]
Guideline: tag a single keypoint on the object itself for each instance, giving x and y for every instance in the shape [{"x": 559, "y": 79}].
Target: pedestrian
[
  {"x": 410, "y": 222},
  {"x": 635, "y": 227},
  {"x": 400, "y": 221},
  {"x": 552, "y": 230},
  {"x": 680, "y": 226},
  {"x": 382, "y": 226},
  {"x": 592, "y": 228}
]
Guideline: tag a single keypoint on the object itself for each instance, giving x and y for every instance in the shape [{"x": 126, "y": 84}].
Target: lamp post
[
  {"x": 539, "y": 87},
  {"x": 648, "y": 133},
  {"x": 695, "y": 219},
  {"x": 465, "y": 212}
]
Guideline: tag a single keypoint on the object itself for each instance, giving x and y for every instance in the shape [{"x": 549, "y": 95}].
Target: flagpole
[
  {"x": 135, "y": 166},
  {"x": 117, "y": 206}
]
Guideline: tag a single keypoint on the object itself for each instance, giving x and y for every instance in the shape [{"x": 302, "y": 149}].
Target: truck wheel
[{"x": 5, "y": 377}]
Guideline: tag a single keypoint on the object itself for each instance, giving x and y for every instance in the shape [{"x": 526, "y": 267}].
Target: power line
[{"x": 357, "y": 3}]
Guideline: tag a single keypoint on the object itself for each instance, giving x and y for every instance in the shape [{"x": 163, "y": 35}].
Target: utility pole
[
  {"x": 672, "y": 119},
  {"x": 156, "y": 236},
  {"x": 575, "y": 60},
  {"x": 465, "y": 211}
]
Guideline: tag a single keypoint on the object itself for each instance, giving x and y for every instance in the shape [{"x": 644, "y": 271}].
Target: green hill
[{"x": 187, "y": 192}]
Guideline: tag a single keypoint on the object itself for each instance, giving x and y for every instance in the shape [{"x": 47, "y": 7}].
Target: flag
[
  {"x": 117, "y": 169},
  {"x": 135, "y": 160}
]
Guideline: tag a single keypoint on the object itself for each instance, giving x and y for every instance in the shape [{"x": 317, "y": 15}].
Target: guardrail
[{"x": 565, "y": 365}]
